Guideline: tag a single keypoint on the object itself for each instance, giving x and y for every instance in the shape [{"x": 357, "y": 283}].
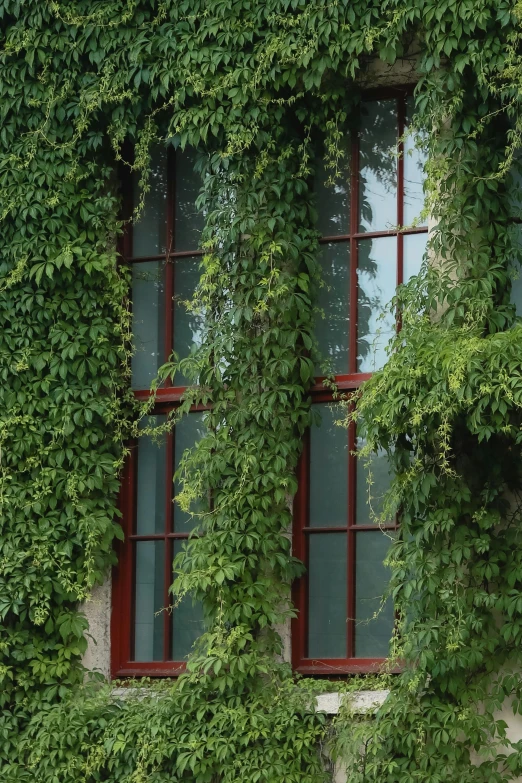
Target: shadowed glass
[
  {"x": 148, "y": 322},
  {"x": 152, "y": 480},
  {"x": 374, "y": 622},
  {"x": 189, "y": 221},
  {"x": 149, "y": 232},
  {"x": 149, "y": 599},
  {"x": 328, "y": 470},
  {"x": 187, "y": 621},
  {"x": 333, "y": 300},
  {"x": 327, "y": 636}
]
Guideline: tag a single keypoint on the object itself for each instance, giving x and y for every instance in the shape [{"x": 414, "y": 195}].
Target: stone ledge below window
[
  {"x": 361, "y": 701},
  {"x": 329, "y": 703}
]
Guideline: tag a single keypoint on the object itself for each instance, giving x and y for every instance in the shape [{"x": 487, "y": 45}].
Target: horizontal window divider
[
  {"x": 373, "y": 234},
  {"x": 165, "y": 394},
  {"x": 150, "y": 669},
  {"x": 352, "y": 381},
  {"x": 333, "y": 529},
  {"x": 165, "y": 256},
  {"x": 156, "y": 536}
]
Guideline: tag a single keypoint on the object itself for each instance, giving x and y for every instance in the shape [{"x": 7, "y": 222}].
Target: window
[
  {"x": 341, "y": 626},
  {"x": 363, "y": 257},
  {"x": 162, "y": 250}
]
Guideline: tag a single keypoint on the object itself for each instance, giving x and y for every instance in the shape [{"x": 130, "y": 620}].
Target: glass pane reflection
[
  {"x": 372, "y": 633},
  {"x": 516, "y": 275},
  {"x": 189, "y": 222},
  {"x": 151, "y": 480},
  {"x": 370, "y": 512},
  {"x": 514, "y": 188},
  {"x": 328, "y": 471},
  {"x": 377, "y": 279},
  {"x": 327, "y": 596},
  {"x": 188, "y": 431},
  {"x": 378, "y": 166},
  {"x": 332, "y": 324},
  {"x": 149, "y": 599},
  {"x": 333, "y": 201},
  {"x": 149, "y": 232},
  {"x": 414, "y": 248},
  {"x": 148, "y": 321},
  {"x": 187, "y": 621},
  {"x": 187, "y": 325},
  {"x": 414, "y": 160}
]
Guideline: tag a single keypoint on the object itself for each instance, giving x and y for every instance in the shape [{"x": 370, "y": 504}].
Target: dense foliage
[{"x": 261, "y": 89}]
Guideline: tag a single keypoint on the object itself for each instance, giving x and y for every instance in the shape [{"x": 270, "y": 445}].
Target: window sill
[{"x": 361, "y": 701}]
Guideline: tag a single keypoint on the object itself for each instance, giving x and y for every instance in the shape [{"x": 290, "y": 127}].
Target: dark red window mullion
[
  {"x": 169, "y": 264},
  {"x": 401, "y": 115},
  {"x": 354, "y": 225},
  {"x": 130, "y": 533},
  {"x": 123, "y": 576},
  {"x": 352, "y": 366},
  {"x": 169, "y": 342},
  {"x": 300, "y": 545},
  {"x": 352, "y": 475},
  {"x": 125, "y": 245},
  {"x": 167, "y": 614}
]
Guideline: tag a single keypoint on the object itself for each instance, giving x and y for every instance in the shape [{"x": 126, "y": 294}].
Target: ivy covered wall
[{"x": 259, "y": 89}]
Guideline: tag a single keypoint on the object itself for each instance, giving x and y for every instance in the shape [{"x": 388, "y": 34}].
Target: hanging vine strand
[{"x": 261, "y": 90}]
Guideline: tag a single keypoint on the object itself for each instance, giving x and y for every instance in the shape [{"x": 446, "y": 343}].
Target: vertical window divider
[
  {"x": 350, "y": 539},
  {"x": 300, "y": 548},
  {"x": 169, "y": 515},
  {"x": 354, "y": 224},
  {"x": 169, "y": 260},
  {"x": 352, "y": 368},
  {"x": 401, "y": 115},
  {"x": 130, "y": 571},
  {"x": 127, "y": 199}
]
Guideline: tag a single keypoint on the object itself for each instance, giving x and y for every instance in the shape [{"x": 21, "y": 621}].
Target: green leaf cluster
[{"x": 260, "y": 89}]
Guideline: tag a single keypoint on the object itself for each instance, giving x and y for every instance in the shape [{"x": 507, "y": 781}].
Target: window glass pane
[
  {"x": 378, "y": 166},
  {"x": 414, "y": 160},
  {"x": 188, "y": 431},
  {"x": 149, "y": 599},
  {"x": 516, "y": 276},
  {"x": 369, "y": 511},
  {"x": 189, "y": 221},
  {"x": 152, "y": 480},
  {"x": 514, "y": 187},
  {"x": 327, "y": 579},
  {"x": 372, "y": 634},
  {"x": 187, "y": 621},
  {"x": 148, "y": 322},
  {"x": 187, "y": 325},
  {"x": 150, "y": 231},
  {"x": 332, "y": 324},
  {"x": 333, "y": 201},
  {"x": 414, "y": 248},
  {"x": 328, "y": 471},
  {"x": 377, "y": 278}
]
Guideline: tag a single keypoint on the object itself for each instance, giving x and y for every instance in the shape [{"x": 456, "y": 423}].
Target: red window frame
[
  {"x": 167, "y": 398},
  {"x": 345, "y": 383}
]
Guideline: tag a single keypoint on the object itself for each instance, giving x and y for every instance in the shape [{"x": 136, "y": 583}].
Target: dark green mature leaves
[{"x": 253, "y": 85}]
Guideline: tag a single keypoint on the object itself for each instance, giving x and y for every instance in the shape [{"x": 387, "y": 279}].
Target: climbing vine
[{"x": 261, "y": 90}]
